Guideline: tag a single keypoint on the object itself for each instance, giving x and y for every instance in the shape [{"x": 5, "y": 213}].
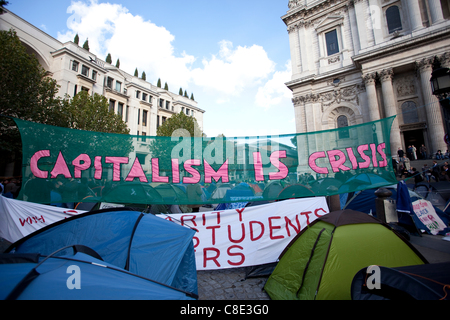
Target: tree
[
  {"x": 118, "y": 63},
  {"x": 136, "y": 73},
  {"x": 185, "y": 94},
  {"x": 3, "y": 3},
  {"x": 166, "y": 87},
  {"x": 86, "y": 45},
  {"x": 159, "y": 83},
  {"x": 179, "y": 121},
  {"x": 108, "y": 58},
  {"x": 192, "y": 97},
  {"x": 26, "y": 92},
  {"x": 91, "y": 113},
  {"x": 76, "y": 40},
  {"x": 180, "y": 92},
  {"x": 144, "y": 76}
]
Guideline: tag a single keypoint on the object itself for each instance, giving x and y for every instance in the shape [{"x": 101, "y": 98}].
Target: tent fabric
[
  {"x": 99, "y": 280},
  {"x": 141, "y": 243},
  {"x": 322, "y": 260},
  {"x": 418, "y": 282}
]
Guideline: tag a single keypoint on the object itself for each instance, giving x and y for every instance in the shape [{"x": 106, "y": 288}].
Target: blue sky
[{"x": 232, "y": 55}]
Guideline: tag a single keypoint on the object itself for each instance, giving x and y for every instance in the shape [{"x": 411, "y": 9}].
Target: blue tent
[
  {"x": 76, "y": 276},
  {"x": 142, "y": 244}
]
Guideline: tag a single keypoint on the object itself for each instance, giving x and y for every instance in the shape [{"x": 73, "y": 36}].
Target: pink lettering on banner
[
  {"x": 155, "y": 172},
  {"x": 175, "y": 171},
  {"x": 195, "y": 174},
  {"x": 81, "y": 163},
  {"x": 283, "y": 170},
  {"x": 361, "y": 149},
  {"x": 314, "y": 166},
  {"x": 257, "y": 164},
  {"x": 61, "y": 168},
  {"x": 337, "y": 158},
  {"x": 352, "y": 158},
  {"x": 222, "y": 173},
  {"x": 136, "y": 172},
  {"x": 116, "y": 161},
  {"x": 34, "y": 161},
  {"x": 337, "y": 164},
  {"x": 380, "y": 149},
  {"x": 98, "y": 168}
]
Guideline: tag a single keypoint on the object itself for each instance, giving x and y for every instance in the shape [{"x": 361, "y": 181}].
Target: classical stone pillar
[
  {"x": 435, "y": 123},
  {"x": 436, "y": 11},
  {"x": 390, "y": 106},
  {"x": 372, "y": 100},
  {"x": 415, "y": 16}
]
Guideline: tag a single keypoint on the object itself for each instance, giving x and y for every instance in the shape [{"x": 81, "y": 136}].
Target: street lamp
[{"x": 440, "y": 81}]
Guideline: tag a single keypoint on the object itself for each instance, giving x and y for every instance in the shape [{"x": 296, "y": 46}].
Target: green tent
[{"x": 322, "y": 260}]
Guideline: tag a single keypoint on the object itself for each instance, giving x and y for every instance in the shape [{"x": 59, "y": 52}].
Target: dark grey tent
[{"x": 418, "y": 282}]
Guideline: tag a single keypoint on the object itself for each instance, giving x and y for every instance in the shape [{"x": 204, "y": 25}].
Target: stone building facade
[
  {"x": 356, "y": 61},
  {"x": 142, "y": 105}
]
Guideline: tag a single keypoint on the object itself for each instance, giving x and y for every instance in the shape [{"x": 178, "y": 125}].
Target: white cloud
[
  {"x": 139, "y": 43},
  {"x": 274, "y": 91},
  {"x": 234, "y": 69}
]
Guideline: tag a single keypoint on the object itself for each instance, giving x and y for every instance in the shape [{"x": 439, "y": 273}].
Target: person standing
[
  {"x": 400, "y": 154},
  {"x": 423, "y": 152},
  {"x": 414, "y": 152}
]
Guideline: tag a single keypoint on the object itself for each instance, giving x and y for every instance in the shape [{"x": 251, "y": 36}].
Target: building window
[
  {"x": 144, "y": 118},
  {"x": 342, "y": 122},
  {"x": 75, "y": 66},
  {"x": 126, "y": 113},
  {"x": 394, "y": 21},
  {"x": 118, "y": 86},
  {"x": 161, "y": 103},
  {"x": 138, "y": 94},
  {"x": 139, "y": 117},
  {"x": 120, "y": 110},
  {"x": 331, "y": 40},
  {"x": 144, "y": 96},
  {"x": 112, "y": 105},
  {"x": 85, "y": 71},
  {"x": 168, "y": 105},
  {"x": 109, "y": 82},
  {"x": 94, "y": 75}
]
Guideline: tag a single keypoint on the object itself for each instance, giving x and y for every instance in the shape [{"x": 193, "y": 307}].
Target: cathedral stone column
[
  {"x": 390, "y": 106},
  {"x": 414, "y": 14},
  {"x": 435, "y": 123},
  {"x": 372, "y": 100},
  {"x": 436, "y": 11}
]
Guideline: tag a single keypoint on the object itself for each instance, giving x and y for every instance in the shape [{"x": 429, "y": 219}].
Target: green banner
[{"x": 69, "y": 166}]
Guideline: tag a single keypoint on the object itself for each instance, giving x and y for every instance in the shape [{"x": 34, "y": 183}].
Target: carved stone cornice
[
  {"x": 425, "y": 64},
  {"x": 348, "y": 94},
  {"x": 298, "y": 11}
]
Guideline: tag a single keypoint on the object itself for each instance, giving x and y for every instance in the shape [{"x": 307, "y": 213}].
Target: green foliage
[
  {"x": 108, "y": 58},
  {"x": 180, "y": 92},
  {"x": 76, "y": 40},
  {"x": 91, "y": 113},
  {"x": 118, "y": 63},
  {"x": 185, "y": 94},
  {"x": 192, "y": 97},
  {"x": 144, "y": 76},
  {"x": 166, "y": 87},
  {"x": 136, "y": 73},
  {"x": 2, "y": 3},
  {"x": 86, "y": 45},
  {"x": 159, "y": 83},
  {"x": 179, "y": 121},
  {"x": 25, "y": 91}
]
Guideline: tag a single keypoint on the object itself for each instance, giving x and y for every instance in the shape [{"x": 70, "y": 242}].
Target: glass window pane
[{"x": 332, "y": 42}]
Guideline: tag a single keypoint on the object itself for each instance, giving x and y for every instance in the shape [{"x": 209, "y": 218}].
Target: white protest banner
[
  {"x": 424, "y": 210},
  {"x": 248, "y": 236},
  {"x": 20, "y": 218}
]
